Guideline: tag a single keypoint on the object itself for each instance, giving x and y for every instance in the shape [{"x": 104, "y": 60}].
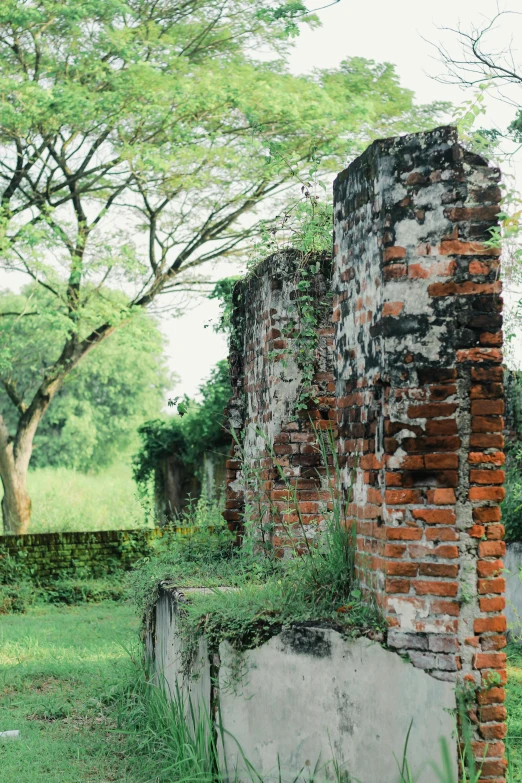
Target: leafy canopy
[
  {"x": 152, "y": 117},
  {"x": 93, "y": 417}
]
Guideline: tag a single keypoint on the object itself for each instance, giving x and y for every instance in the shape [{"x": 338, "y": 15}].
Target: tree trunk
[
  {"x": 16, "y": 503},
  {"x": 14, "y": 464}
]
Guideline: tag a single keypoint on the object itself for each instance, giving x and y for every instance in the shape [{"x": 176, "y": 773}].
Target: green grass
[
  {"x": 64, "y": 499},
  {"x": 58, "y": 670},
  {"x": 514, "y": 709},
  {"x": 66, "y": 677}
]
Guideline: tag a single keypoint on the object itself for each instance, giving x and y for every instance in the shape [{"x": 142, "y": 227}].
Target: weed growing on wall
[{"x": 269, "y": 592}]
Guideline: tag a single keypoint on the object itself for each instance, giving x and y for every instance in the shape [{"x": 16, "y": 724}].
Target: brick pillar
[
  {"x": 266, "y": 379},
  {"x": 418, "y": 339}
]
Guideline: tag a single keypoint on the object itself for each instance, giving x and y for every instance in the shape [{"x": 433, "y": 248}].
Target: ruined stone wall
[
  {"x": 412, "y": 386},
  {"x": 276, "y": 468},
  {"x": 48, "y": 556},
  {"x": 417, "y": 313}
]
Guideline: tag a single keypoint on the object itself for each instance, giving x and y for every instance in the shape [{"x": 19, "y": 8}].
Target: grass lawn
[
  {"x": 64, "y": 499},
  {"x": 58, "y": 668},
  {"x": 514, "y": 708}
]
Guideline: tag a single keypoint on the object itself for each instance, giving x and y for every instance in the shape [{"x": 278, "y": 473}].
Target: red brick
[
  {"x": 435, "y": 516},
  {"x": 395, "y": 272},
  {"x": 478, "y": 268},
  {"x": 441, "y": 497},
  {"x": 477, "y": 531},
  {"x": 497, "y": 642},
  {"x": 487, "y": 407},
  {"x": 479, "y": 355},
  {"x": 495, "y": 532},
  {"x": 392, "y": 309},
  {"x": 487, "y": 568},
  {"x": 441, "y": 427},
  {"x": 492, "y": 441},
  {"x": 441, "y": 461},
  {"x": 461, "y": 248},
  {"x": 397, "y": 586},
  {"x": 492, "y": 604},
  {"x": 491, "y": 338},
  {"x": 442, "y": 534},
  {"x": 394, "y": 550},
  {"x": 488, "y": 374},
  {"x": 495, "y": 660},
  {"x": 495, "y": 695},
  {"x": 490, "y": 624},
  {"x": 432, "y": 410},
  {"x": 479, "y": 458},
  {"x": 442, "y": 392},
  {"x": 403, "y": 533},
  {"x": 401, "y": 569},
  {"x": 402, "y": 496},
  {"x": 422, "y": 587},
  {"x": 473, "y": 213},
  {"x": 429, "y": 444},
  {"x": 490, "y": 768},
  {"x": 487, "y": 586},
  {"x": 394, "y": 253},
  {"x": 486, "y": 476},
  {"x": 491, "y": 677},
  {"x": 492, "y": 732},
  {"x": 438, "y": 569},
  {"x": 487, "y": 423},
  {"x": 492, "y": 548},
  {"x": 445, "y": 607},
  {"x": 487, "y": 514},
  {"x": 496, "y": 494},
  {"x": 486, "y": 391}
]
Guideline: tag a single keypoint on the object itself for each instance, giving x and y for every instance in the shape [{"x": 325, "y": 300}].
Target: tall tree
[{"x": 133, "y": 141}]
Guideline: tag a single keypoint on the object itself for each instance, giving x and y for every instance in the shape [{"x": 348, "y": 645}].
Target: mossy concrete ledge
[{"x": 308, "y": 697}]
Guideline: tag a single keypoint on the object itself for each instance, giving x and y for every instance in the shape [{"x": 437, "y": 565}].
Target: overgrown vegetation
[
  {"x": 269, "y": 591},
  {"x": 88, "y": 711},
  {"x": 198, "y": 428}
]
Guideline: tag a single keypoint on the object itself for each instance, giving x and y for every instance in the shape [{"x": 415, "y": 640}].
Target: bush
[{"x": 512, "y": 505}]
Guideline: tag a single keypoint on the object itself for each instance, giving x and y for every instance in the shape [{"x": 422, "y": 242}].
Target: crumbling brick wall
[
  {"x": 276, "y": 466},
  {"x": 417, "y": 313},
  {"x": 417, "y": 407}
]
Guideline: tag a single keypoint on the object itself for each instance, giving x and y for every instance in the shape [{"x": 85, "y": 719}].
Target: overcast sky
[{"x": 399, "y": 32}]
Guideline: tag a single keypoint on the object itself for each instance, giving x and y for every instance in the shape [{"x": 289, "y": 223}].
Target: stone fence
[{"x": 48, "y": 556}]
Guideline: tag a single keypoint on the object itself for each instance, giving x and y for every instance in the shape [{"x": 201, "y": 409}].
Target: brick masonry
[
  {"x": 48, "y": 556},
  {"x": 418, "y": 315},
  {"x": 412, "y": 386},
  {"x": 276, "y": 476}
]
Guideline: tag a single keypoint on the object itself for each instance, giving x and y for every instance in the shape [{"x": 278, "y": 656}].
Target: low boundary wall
[
  {"x": 47, "y": 556},
  {"x": 305, "y": 700}
]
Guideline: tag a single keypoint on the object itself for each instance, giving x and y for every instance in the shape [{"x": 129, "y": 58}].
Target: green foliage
[
  {"x": 514, "y": 711},
  {"x": 169, "y": 738},
  {"x": 19, "y": 596},
  {"x": 189, "y": 436},
  {"x": 93, "y": 417},
  {"x": 512, "y": 504},
  {"x": 270, "y": 592}
]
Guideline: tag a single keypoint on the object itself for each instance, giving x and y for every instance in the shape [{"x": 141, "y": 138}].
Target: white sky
[{"x": 383, "y": 31}]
